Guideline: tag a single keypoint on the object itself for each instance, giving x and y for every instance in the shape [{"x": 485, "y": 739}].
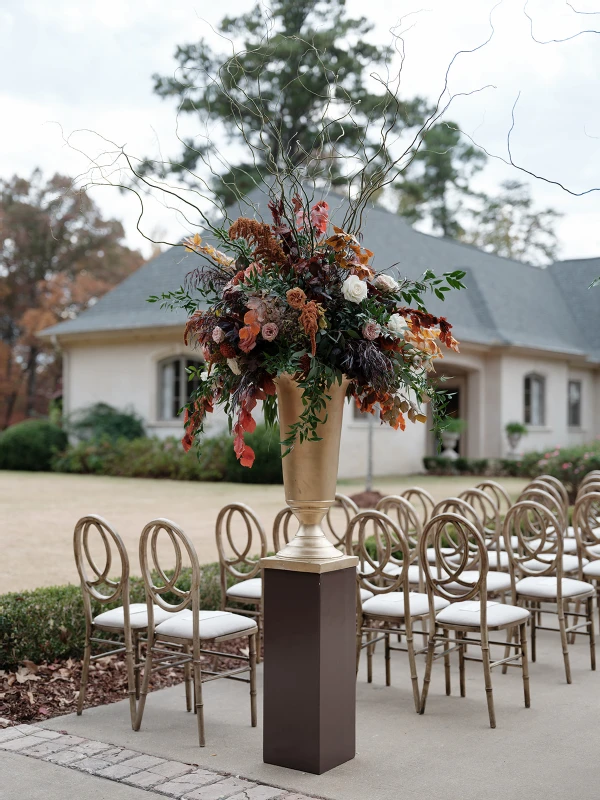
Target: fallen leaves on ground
[{"x": 35, "y": 692}]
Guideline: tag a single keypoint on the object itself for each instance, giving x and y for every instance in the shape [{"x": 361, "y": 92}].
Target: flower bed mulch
[
  {"x": 35, "y": 692},
  {"x": 367, "y": 499}
]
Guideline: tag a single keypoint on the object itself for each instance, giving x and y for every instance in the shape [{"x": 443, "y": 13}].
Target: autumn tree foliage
[{"x": 58, "y": 255}]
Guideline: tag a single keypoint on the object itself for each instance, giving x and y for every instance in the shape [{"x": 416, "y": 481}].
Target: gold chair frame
[
  {"x": 389, "y": 539},
  {"x": 534, "y": 524},
  {"x": 243, "y": 565},
  {"x": 166, "y": 651},
  {"x": 114, "y": 590},
  {"x": 442, "y": 582}
]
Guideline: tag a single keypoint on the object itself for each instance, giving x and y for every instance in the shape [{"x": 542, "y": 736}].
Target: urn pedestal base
[{"x": 310, "y": 663}]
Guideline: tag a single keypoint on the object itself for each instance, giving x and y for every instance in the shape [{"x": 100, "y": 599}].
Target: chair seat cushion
[
  {"x": 592, "y": 569},
  {"x": 138, "y": 617},
  {"x": 492, "y": 559},
  {"x": 467, "y": 613},
  {"x": 391, "y": 604},
  {"x": 213, "y": 625},
  {"x": 514, "y": 543},
  {"x": 431, "y": 557},
  {"x": 569, "y": 563},
  {"x": 496, "y": 581},
  {"x": 569, "y": 545},
  {"x": 365, "y": 594},
  {"x": 546, "y": 586},
  {"x": 246, "y": 590}
]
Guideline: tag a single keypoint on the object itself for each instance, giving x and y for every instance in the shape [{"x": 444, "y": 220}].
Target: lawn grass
[{"x": 38, "y": 512}]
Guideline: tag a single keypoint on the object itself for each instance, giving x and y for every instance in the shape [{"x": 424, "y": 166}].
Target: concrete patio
[{"x": 550, "y": 750}]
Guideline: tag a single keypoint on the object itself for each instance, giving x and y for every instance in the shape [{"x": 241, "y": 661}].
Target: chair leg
[
  {"x": 85, "y": 669},
  {"x": 428, "y": 666},
  {"x": 525, "y": 664},
  {"x": 487, "y": 675},
  {"x": 145, "y": 684},
  {"x": 532, "y": 620},
  {"x": 461, "y": 664},
  {"x": 187, "y": 672},
  {"x": 410, "y": 646},
  {"x": 369, "y": 657},
  {"x": 563, "y": 637},
  {"x": 359, "y": 638},
  {"x": 591, "y": 631},
  {"x": 252, "y": 644},
  {"x": 388, "y": 673},
  {"x": 199, "y": 701},
  {"x": 447, "y": 664},
  {"x": 137, "y": 655},
  {"x": 507, "y": 649},
  {"x": 130, "y": 658},
  {"x": 259, "y": 636}
]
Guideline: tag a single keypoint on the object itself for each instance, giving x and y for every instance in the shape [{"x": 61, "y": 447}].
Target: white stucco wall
[
  {"x": 557, "y": 373},
  {"x": 123, "y": 370},
  {"x": 124, "y": 373}
]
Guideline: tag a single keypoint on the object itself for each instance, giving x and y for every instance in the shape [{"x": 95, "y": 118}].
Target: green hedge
[
  {"x": 102, "y": 420},
  {"x": 48, "y": 623},
  {"x": 438, "y": 465},
  {"x": 145, "y": 458},
  {"x": 31, "y": 445},
  {"x": 165, "y": 458}
]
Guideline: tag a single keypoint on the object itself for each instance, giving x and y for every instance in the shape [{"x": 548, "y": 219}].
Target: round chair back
[{"x": 539, "y": 550}]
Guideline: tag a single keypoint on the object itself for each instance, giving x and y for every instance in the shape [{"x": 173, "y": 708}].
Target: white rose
[
  {"x": 354, "y": 290},
  {"x": 386, "y": 283},
  {"x": 234, "y": 366},
  {"x": 397, "y": 324}
]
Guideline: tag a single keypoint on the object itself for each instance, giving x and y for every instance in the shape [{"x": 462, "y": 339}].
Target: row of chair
[{"x": 418, "y": 561}]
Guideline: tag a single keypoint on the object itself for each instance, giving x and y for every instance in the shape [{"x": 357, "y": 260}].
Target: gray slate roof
[{"x": 506, "y": 302}]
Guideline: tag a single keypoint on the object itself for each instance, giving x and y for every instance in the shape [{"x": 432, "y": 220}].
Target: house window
[
  {"x": 574, "y": 404},
  {"x": 174, "y": 385},
  {"x": 535, "y": 400}
]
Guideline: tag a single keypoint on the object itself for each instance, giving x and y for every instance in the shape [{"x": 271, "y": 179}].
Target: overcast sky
[{"x": 88, "y": 65}]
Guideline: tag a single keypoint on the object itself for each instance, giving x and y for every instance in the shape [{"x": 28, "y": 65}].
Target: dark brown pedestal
[{"x": 310, "y": 668}]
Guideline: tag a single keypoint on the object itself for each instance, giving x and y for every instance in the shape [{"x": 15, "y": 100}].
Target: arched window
[
  {"x": 174, "y": 386},
  {"x": 534, "y": 399}
]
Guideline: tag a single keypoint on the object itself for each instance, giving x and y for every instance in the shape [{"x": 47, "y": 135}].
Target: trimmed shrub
[
  {"x": 31, "y": 445},
  {"x": 438, "y": 465},
  {"x": 103, "y": 421},
  {"x": 146, "y": 458},
  {"x": 48, "y": 623},
  {"x": 267, "y": 467}
]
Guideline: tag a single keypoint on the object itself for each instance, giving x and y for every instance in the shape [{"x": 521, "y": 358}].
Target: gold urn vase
[{"x": 310, "y": 471}]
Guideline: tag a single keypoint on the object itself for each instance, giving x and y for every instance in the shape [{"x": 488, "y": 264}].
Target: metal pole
[{"x": 370, "y": 429}]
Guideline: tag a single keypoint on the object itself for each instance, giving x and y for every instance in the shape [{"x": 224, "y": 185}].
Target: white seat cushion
[
  {"x": 592, "y": 569},
  {"x": 246, "y": 590},
  {"x": 496, "y": 581},
  {"x": 514, "y": 543},
  {"x": 365, "y": 594},
  {"x": 367, "y": 569},
  {"x": 570, "y": 563},
  {"x": 545, "y": 586},
  {"x": 467, "y": 613},
  {"x": 394, "y": 569},
  {"x": 138, "y": 617},
  {"x": 431, "y": 557},
  {"x": 595, "y": 549},
  {"x": 569, "y": 545},
  {"x": 213, "y": 624},
  {"x": 492, "y": 559},
  {"x": 392, "y": 605}
]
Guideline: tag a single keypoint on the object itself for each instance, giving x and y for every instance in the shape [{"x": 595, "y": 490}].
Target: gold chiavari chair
[
  {"x": 180, "y": 641},
  {"x": 241, "y": 543},
  {"x": 391, "y": 607},
  {"x": 128, "y": 620},
  {"x": 537, "y": 574},
  {"x": 469, "y": 613}
]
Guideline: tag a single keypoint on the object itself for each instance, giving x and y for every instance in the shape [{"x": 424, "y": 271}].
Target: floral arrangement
[{"x": 299, "y": 296}]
